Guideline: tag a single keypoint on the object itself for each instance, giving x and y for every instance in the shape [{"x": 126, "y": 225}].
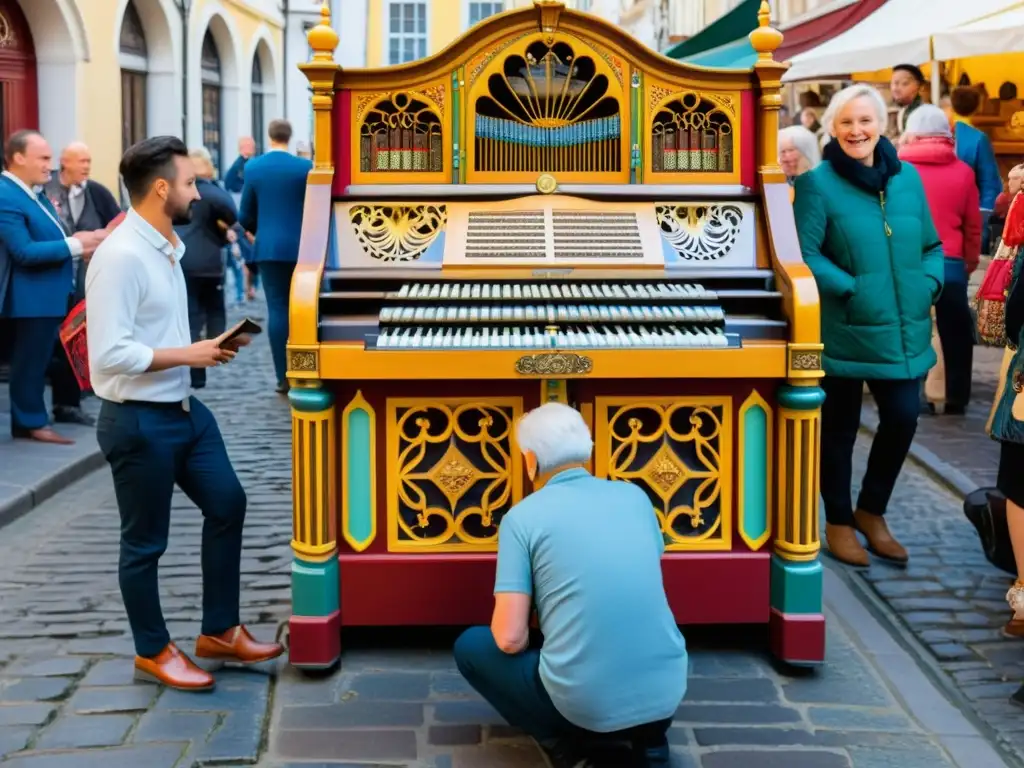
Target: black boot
[
  {"x": 651, "y": 757},
  {"x": 563, "y": 754}
]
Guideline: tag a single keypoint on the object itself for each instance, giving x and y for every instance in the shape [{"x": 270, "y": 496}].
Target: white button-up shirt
[{"x": 136, "y": 303}]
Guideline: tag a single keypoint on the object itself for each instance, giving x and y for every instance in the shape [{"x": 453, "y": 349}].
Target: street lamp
[{"x": 184, "y": 10}]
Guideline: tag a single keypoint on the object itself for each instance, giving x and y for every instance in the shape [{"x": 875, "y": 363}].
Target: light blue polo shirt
[{"x": 589, "y": 552}]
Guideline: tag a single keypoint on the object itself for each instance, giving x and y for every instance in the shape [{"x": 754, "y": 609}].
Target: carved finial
[
  {"x": 550, "y": 10},
  {"x": 322, "y": 38},
  {"x": 765, "y": 40}
]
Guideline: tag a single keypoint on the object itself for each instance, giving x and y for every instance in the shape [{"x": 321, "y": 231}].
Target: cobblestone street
[{"x": 67, "y": 699}]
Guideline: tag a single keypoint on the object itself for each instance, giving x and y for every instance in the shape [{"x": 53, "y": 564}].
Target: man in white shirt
[{"x": 152, "y": 433}]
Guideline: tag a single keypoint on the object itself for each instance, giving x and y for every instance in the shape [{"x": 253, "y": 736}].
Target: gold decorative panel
[
  {"x": 453, "y": 471},
  {"x": 691, "y": 132},
  {"x": 680, "y": 451},
  {"x": 550, "y": 104},
  {"x": 700, "y": 232},
  {"x": 401, "y": 131},
  {"x": 397, "y": 232}
]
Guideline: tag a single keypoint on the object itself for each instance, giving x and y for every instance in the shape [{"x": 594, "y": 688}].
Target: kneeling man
[{"x": 587, "y": 553}]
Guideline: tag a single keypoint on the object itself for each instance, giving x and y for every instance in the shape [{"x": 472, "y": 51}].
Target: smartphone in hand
[{"x": 245, "y": 328}]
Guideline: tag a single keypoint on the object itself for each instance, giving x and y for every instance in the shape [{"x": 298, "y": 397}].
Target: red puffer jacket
[{"x": 952, "y": 196}]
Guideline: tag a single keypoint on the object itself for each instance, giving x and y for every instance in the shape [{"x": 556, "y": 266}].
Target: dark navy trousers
[
  {"x": 151, "y": 447},
  {"x": 277, "y": 286},
  {"x": 31, "y": 354}
]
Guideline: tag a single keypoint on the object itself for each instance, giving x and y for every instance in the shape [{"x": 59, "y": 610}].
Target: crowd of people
[{"x": 52, "y": 222}]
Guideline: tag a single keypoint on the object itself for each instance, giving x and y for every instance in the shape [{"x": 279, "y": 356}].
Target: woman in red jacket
[{"x": 953, "y": 199}]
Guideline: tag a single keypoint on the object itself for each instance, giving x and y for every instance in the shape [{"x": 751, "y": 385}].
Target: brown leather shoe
[
  {"x": 236, "y": 646},
  {"x": 880, "y": 542},
  {"x": 844, "y": 545},
  {"x": 44, "y": 435},
  {"x": 1014, "y": 628},
  {"x": 174, "y": 669}
]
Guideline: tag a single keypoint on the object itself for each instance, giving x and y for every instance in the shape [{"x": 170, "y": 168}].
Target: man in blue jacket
[
  {"x": 41, "y": 278},
  {"x": 975, "y": 149},
  {"x": 271, "y": 210}
]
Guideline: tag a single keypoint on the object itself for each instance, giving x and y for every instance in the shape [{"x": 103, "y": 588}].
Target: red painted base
[
  {"x": 436, "y": 590},
  {"x": 314, "y": 642},
  {"x": 798, "y": 639}
]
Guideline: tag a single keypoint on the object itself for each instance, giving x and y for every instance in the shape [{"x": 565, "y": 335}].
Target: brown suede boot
[
  {"x": 844, "y": 545},
  {"x": 880, "y": 542}
]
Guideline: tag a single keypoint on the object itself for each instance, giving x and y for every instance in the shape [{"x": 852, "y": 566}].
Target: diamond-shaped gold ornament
[
  {"x": 453, "y": 474},
  {"x": 666, "y": 471}
]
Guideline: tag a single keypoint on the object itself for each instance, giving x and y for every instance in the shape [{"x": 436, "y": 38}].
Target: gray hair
[
  {"x": 556, "y": 434},
  {"x": 928, "y": 120},
  {"x": 201, "y": 153},
  {"x": 845, "y": 96},
  {"x": 806, "y": 144}
]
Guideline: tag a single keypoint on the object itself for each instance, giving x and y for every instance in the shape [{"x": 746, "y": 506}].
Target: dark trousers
[
  {"x": 32, "y": 350},
  {"x": 206, "y": 312},
  {"x": 66, "y": 392},
  {"x": 956, "y": 333},
  {"x": 277, "y": 284},
  {"x": 150, "y": 447},
  {"x": 511, "y": 684},
  {"x": 898, "y": 409}
]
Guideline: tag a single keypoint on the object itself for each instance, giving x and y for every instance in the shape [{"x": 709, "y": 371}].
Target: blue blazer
[
  {"x": 974, "y": 148},
  {"x": 272, "y": 203},
  {"x": 41, "y": 276}
]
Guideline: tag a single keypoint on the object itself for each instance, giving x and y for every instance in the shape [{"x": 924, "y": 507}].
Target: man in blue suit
[
  {"x": 271, "y": 210},
  {"x": 41, "y": 278},
  {"x": 975, "y": 149}
]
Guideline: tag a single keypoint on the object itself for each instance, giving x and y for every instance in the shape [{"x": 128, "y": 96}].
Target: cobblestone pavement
[
  {"x": 950, "y": 598},
  {"x": 65, "y": 648},
  {"x": 67, "y": 700}
]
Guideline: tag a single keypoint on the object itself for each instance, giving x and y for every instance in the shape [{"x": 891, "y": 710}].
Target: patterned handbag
[{"x": 990, "y": 301}]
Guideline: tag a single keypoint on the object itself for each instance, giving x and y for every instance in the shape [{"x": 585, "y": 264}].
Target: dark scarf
[{"x": 871, "y": 178}]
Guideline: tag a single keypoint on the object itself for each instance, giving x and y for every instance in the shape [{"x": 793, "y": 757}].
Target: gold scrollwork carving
[
  {"x": 400, "y": 132},
  {"x": 679, "y": 452},
  {"x": 690, "y": 133},
  {"x": 700, "y": 232},
  {"x": 806, "y": 361},
  {"x": 453, "y": 471},
  {"x": 397, "y": 232},
  {"x": 554, "y": 364},
  {"x": 302, "y": 360}
]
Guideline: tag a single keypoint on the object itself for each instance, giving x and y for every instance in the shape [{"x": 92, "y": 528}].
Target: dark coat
[
  {"x": 204, "y": 237},
  {"x": 272, "y": 203}
]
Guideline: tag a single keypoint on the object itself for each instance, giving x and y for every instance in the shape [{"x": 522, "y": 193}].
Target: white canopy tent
[
  {"x": 1002, "y": 32},
  {"x": 899, "y": 32}
]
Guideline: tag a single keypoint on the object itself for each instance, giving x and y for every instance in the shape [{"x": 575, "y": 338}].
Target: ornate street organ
[{"x": 547, "y": 210}]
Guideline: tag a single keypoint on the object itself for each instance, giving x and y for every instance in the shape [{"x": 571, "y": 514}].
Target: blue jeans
[
  {"x": 511, "y": 684},
  {"x": 150, "y": 447},
  {"x": 898, "y": 410},
  {"x": 277, "y": 285}
]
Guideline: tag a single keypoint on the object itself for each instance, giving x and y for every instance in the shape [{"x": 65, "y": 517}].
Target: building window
[
  {"x": 212, "y": 117},
  {"x": 258, "y": 98},
  {"x": 480, "y": 11},
  {"x": 134, "y": 59},
  {"x": 407, "y": 33}
]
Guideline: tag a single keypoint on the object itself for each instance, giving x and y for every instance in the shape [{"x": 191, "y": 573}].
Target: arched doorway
[
  {"x": 213, "y": 113},
  {"x": 19, "y": 91},
  {"x": 134, "y": 60},
  {"x": 258, "y": 104}
]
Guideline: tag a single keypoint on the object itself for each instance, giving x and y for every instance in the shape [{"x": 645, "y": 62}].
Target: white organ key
[
  {"x": 506, "y": 291},
  {"x": 587, "y": 293},
  {"x": 485, "y": 314},
  {"x": 531, "y": 312},
  {"x": 678, "y": 313},
  {"x": 545, "y": 291},
  {"x": 486, "y": 291},
  {"x": 549, "y": 313},
  {"x": 517, "y": 337},
  {"x": 386, "y": 313},
  {"x": 475, "y": 292},
  {"x": 414, "y": 291},
  {"x": 648, "y": 314},
  {"x": 517, "y": 291},
  {"x": 556, "y": 291},
  {"x": 561, "y": 339},
  {"x": 618, "y": 313},
  {"x": 463, "y": 315},
  {"x": 576, "y": 292},
  {"x": 507, "y": 313},
  {"x": 451, "y": 315},
  {"x": 519, "y": 313},
  {"x": 428, "y": 339},
  {"x": 563, "y": 314},
  {"x": 474, "y": 314},
  {"x": 630, "y": 291},
  {"x": 642, "y": 292},
  {"x": 574, "y": 312},
  {"x": 464, "y": 291},
  {"x": 414, "y": 339},
  {"x": 637, "y": 313},
  {"x": 419, "y": 313},
  {"x": 435, "y": 292},
  {"x": 445, "y": 291},
  {"x": 534, "y": 292},
  {"x": 619, "y": 293},
  {"x": 403, "y": 291},
  {"x": 383, "y": 338},
  {"x": 506, "y": 340},
  {"x": 457, "y": 338},
  {"x": 634, "y": 339},
  {"x": 607, "y": 291}
]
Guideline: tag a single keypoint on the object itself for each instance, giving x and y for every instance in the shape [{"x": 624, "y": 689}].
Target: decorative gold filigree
[
  {"x": 700, "y": 232},
  {"x": 7, "y": 37},
  {"x": 691, "y": 132},
  {"x": 655, "y": 95},
  {"x": 724, "y": 101},
  {"x": 436, "y": 93},
  {"x": 554, "y": 364},
  {"x": 452, "y": 472},
  {"x": 476, "y": 65},
  {"x": 303, "y": 360},
  {"x": 396, "y": 232},
  {"x": 400, "y": 132},
  {"x": 806, "y": 361},
  {"x": 365, "y": 101},
  {"x": 680, "y": 453}
]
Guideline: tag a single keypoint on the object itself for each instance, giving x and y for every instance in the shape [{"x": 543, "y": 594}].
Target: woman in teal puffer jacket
[{"x": 867, "y": 235}]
